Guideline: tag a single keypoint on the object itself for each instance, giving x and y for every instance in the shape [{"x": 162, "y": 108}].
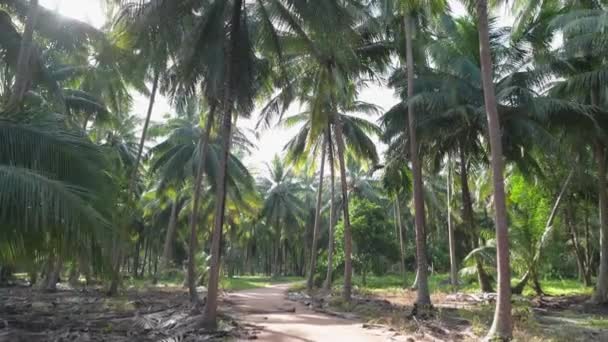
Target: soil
[{"x": 274, "y": 318}]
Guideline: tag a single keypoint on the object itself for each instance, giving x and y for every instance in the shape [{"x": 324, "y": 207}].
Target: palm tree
[
  {"x": 283, "y": 209},
  {"x": 502, "y": 326},
  {"x": 358, "y": 143},
  {"x": 326, "y": 65},
  {"x": 581, "y": 67}
]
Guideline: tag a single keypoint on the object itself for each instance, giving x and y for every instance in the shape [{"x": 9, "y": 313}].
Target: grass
[
  {"x": 253, "y": 282},
  {"x": 439, "y": 283},
  {"x": 226, "y": 283},
  {"x": 562, "y": 287}
]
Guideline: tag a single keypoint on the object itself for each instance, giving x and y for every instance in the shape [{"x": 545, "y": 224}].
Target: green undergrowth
[{"x": 439, "y": 283}]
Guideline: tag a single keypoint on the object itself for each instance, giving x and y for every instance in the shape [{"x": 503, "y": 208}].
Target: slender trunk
[
  {"x": 118, "y": 249},
  {"x": 53, "y": 273},
  {"x": 23, "y": 74},
  {"x": 137, "y": 255},
  {"x": 401, "y": 240},
  {"x": 210, "y": 319},
  {"x": 332, "y": 215},
  {"x": 485, "y": 282},
  {"x": 144, "y": 132},
  {"x": 170, "y": 237},
  {"x": 533, "y": 267},
  {"x": 587, "y": 250},
  {"x": 502, "y": 327},
  {"x": 451, "y": 241},
  {"x": 600, "y": 296},
  {"x": 198, "y": 188},
  {"x": 423, "y": 299},
  {"x": 569, "y": 219},
  {"x": 348, "y": 242},
  {"x": 146, "y": 251},
  {"x": 315, "y": 231}
]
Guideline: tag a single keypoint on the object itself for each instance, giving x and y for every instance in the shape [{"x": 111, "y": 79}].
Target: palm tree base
[
  {"x": 493, "y": 337},
  {"x": 423, "y": 311}
]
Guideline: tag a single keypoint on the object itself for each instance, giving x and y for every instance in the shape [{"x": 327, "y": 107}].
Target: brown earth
[{"x": 275, "y": 318}]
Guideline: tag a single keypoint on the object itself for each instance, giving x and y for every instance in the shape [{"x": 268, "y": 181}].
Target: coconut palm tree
[
  {"x": 358, "y": 143},
  {"x": 327, "y": 64},
  {"x": 502, "y": 326},
  {"x": 283, "y": 209}
]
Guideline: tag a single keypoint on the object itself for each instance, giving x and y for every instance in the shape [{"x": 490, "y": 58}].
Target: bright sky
[{"x": 270, "y": 142}]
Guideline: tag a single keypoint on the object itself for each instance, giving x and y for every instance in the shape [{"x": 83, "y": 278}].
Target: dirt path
[{"x": 268, "y": 309}]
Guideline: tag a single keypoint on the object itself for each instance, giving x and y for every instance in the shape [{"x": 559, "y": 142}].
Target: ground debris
[{"x": 27, "y": 314}]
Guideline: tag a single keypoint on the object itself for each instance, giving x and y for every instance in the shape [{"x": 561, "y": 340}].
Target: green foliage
[{"x": 374, "y": 246}]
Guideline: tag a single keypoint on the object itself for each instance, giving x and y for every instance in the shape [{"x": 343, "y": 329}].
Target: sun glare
[{"x": 89, "y": 11}]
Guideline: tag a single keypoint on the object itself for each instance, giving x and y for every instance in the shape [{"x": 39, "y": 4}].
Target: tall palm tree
[
  {"x": 502, "y": 326},
  {"x": 581, "y": 68}
]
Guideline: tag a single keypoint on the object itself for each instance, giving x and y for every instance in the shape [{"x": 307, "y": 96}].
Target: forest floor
[
  {"x": 259, "y": 308},
  {"x": 466, "y": 316},
  {"x": 150, "y": 314}
]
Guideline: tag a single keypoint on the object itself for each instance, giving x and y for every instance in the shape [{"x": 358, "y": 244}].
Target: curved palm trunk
[
  {"x": 169, "y": 238},
  {"x": 210, "y": 314},
  {"x": 502, "y": 327},
  {"x": 600, "y": 295},
  {"x": 451, "y": 241},
  {"x": 198, "y": 188},
  {"x": 533, "y": 267},
  {"x": 118, "y": 254},
  {"x": 348, "y": 239},
  {"x": 315, "y": 232},
  {"x": 24, "y": 73},
  {"x": 423, "y": 299},
  {"x": 332, "y": 215},
  {"x": 401, "y": 240}
]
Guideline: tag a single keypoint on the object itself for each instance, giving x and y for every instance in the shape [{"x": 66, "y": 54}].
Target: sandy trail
[{"x": 267, "y": 308}]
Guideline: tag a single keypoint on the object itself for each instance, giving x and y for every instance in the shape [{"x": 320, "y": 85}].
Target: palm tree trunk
[
  {"x": 53, "y": 274},
  {"x": 423, "y": 299},
  {"x": 198, "y": 188},
  {"x": 115, "y": 282},
  {"x": 401, "y": 240},
  {"x": 169, "y": 237},
  {"x": 600, "y": 296},
  {"x": 210, "y": 315},
  {"x": 502, "y": 327},
  {"x": 587, "y": 250},
  {"x": 144, "y": 132},
  {"x": 315, "y": 231},
  {"x": 348, "y": 239},
  {"x": 485, "y": 283},
  {"x": 23, "y": 75},
  {"x": 451, "y": 241},
  {"x": 332, "y": 214}
]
